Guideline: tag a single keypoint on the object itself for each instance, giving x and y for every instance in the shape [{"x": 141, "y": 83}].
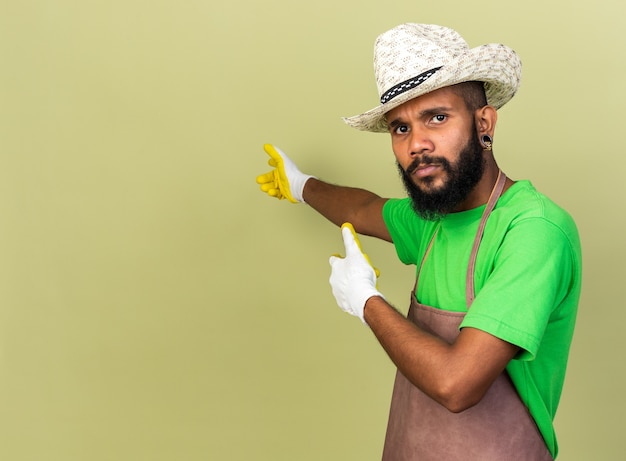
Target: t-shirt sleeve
[
  {"x": 531, "y": 276},
  {"x": 405, "y": 229}
]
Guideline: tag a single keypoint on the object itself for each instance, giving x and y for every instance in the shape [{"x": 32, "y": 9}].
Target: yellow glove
[
  {"x": 350, "y": 227},
  {"x": 285, "y": 180}
]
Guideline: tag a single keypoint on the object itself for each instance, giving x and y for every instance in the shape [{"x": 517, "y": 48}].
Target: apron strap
[
  {"x": 419, "y": 271},
  {"x": 493, "y": 199}
]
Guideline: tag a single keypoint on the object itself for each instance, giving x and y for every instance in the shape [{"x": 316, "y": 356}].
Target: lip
[{"x": 425, "y": 170}]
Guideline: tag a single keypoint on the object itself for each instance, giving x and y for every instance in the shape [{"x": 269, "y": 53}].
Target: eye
[
  {"x": 439, "y": 118},
  {"x": 401, "y": 129}
]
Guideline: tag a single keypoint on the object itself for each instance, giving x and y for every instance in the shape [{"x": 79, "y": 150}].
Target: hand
[
  {"x": 285, "y": 180},
  {"x": 353, "y": 278}
]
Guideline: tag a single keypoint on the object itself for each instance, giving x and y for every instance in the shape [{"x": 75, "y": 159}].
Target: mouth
[{"x": 424, "y": 170}]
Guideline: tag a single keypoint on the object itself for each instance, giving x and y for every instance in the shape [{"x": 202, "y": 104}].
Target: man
[{"x": 481, "y": 356}]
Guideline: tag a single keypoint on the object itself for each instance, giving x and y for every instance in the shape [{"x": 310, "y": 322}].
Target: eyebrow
[
  {"x": 394, "y": 123},
  {"x": 435, "y": 110}
]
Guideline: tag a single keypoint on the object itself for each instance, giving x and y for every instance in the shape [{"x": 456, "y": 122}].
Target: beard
[{"x": 462, "y": 177}]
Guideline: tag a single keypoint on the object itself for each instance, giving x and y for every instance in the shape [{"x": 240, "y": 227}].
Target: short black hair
[{"x": 473, "y": 93}]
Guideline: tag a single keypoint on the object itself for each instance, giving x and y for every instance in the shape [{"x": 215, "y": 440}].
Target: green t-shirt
[{"x": 527, "y": 281}]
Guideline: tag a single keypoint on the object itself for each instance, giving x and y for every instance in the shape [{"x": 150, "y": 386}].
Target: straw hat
[{"x": 414, "y": 59}]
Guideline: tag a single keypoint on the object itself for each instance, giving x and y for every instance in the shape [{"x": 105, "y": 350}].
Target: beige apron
[{"x": 498, "y": 428}]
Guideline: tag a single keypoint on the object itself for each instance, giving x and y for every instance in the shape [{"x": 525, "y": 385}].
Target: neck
[{"x": 481, "y": 193}]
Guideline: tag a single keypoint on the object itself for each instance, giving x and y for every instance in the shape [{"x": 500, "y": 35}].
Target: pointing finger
[
  {"x": 274, "y": 152},
  {"x": 350, "y": 241}
]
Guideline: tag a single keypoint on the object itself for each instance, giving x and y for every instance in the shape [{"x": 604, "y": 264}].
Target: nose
[{"x": 419, "y": 143}]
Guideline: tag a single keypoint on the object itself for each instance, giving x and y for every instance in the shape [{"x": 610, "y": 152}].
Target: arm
[
  {"x": 338, "y": 204},
  {"x": 341, "y": 204},
  {"x": 456, "y": 375}
]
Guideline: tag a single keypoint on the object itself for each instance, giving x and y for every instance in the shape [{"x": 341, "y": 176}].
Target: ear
[{"x": 486, "y": 118}]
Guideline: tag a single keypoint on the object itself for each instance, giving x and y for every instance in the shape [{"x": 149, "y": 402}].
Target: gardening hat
[{"x": 414, "y": 59}]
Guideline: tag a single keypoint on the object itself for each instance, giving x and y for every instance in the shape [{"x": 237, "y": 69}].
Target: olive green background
[{"x": 154, "y": 305}]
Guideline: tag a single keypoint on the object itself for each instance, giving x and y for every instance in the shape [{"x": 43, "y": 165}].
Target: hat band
[{"x": 407, "y": 85}]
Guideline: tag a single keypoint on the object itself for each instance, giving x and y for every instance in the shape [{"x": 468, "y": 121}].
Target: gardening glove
[
  {"x": 285, "y": 180},
  {"x": 353, "y": 278}
]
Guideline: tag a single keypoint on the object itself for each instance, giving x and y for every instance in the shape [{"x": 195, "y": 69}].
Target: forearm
[
  {"x": 340, "y": 204},
  {"x": 455, "y": 375},
  {"x": 420, "y": 357}
]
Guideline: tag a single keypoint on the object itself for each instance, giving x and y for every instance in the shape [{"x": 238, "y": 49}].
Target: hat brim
[{"x": 498, "y": 66}]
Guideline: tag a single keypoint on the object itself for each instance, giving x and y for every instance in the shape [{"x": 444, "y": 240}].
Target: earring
[{"x": 486, "y": 141}]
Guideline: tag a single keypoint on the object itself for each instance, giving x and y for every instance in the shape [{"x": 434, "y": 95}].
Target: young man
[{"x": 481, "y": 356}]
